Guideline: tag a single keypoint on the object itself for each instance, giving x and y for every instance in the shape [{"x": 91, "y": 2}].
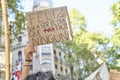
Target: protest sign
[
  {"x": 114, "y": 74},
  {"x": 2, "y": 61},
  {"x": 48, "y": 26},
  {"x": 100, "y": 74}
]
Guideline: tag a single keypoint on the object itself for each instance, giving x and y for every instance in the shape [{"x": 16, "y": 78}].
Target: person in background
[{"x": 28, "y": 52}]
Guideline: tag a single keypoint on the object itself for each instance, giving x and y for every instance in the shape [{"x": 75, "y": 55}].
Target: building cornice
[{"x": 17, "y": 47}]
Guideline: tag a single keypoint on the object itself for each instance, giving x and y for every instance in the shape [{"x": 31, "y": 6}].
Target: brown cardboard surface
[
  {"x": 48, "y": 26},
  {"x": 114, "y": 74}
]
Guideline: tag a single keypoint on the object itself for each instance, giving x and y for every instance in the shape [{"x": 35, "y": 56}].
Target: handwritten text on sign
[{"x": 48, "y": 26}]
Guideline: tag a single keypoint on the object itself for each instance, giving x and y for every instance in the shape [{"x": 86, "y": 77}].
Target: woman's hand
[{"x": 28, "y": 51}]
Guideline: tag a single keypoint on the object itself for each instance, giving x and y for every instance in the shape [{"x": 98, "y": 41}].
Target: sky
[{"x": 97, "y": 12}]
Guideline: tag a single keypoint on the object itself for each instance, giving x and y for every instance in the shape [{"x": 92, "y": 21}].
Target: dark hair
[{"x": 40, "y": 76}]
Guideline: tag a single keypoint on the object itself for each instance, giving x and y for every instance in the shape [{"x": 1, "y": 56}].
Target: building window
[
  {"x": 55, "y": 66},
  {"x": 20, "y": 56},
  {"x": 20, "y": 39},
  {"x": 54, "y": 52},
  {"x": 61, "y": 68},
  {"x": 46, "y": 50},
  {"x": 46, "y": 54},
  {"x": 31, "y": 67},
  {"x": 58, "y": 74},
  {"x": 59, "y": 53},
  {"x": 17, "y": 62},
  {"x": 46, "y": 65},
  {"x": 64, "y": 57},
  {"x": 66, "y": 71}
]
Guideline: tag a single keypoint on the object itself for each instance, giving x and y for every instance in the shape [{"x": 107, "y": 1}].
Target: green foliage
[
  {"x": 16, "y": 17},
  {"x": 86, "y": 47},
  {"x": 116, "y": 37},
  {"x": 116, "y": 13},
  {"x": 77, "y": 19}
]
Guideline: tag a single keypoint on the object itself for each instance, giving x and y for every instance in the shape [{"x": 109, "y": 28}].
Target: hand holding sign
[{"x": 28, "y": 51}]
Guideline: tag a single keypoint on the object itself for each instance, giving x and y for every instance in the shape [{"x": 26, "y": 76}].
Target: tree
[
  {"x": 80, "y": 54},
  {"x": 116, "y": 13},
  {"x": 85, "y": 48},
  {"x": 89, "y": 47},
  {"x": 77, "y": 19},
  {"x": 16, "y": 18},
  {"x": 116, "y": 23},
  {"x": 116, "y": 36},
  {"x": 17, "y": 24}
]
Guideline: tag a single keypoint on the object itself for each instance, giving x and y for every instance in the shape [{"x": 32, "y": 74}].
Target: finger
[
  {"x": 31, "y": 45},
  {"x": 31, "y": 55},
  {"x": 33, "y": 51}
]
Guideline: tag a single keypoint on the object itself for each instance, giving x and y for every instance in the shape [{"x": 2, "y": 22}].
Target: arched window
[
  {"x": 60, "y": 54},
  {"x": 55, "y": 66},
  {"x": 31, "y": 67},
  {"x": 61, "y": 68},
  {"x": 20, "y": 39},
  {"x": 46, "y": 65},
  {"x": 54, "y": 52},
  {"x": 66, "y": 71},
  {"x": 20, "y": 56}
]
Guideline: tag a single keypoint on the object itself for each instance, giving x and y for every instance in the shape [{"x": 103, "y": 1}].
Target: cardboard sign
[
  {"x": 2, "y": 61},
  {"x": 114, "y": 74},
  {"x": 48, "y": 26},
  {"x": 100, "y": 74}
]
